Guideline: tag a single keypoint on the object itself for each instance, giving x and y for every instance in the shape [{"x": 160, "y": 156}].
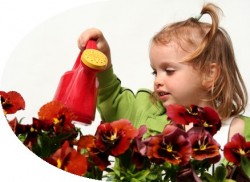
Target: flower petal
[
  {"x": 234, "y": 149},
  {"x": 12, "y": 101},
  {"x": 172, "y": 146}
]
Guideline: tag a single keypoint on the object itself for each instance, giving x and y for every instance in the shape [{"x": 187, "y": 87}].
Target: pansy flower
[
  {"x": 179, "y": 114},
  {"x": 206, "y": 117},
  {"x": 203, "y": 145},
  {"x": 115, "y": 137},
  {"x": 46, "y": 132},
  {"x": 55, "y": 113},
  {"x": 29, "y": 133},
  {"x": 86, "y": 145},
  {"x": 237, "y": 148},
  {"x": 26, "y": 130},
  {"x": 172, "y": 146},
  {"x": 209, "y": 119},
  {"x": 68, "y": 159},
  {"x": 139, "y": 148},
  {"x": 138, "y": 144},
  {"x": 18, "y": 128},
  {"x": 11, "y": 101},
  {"x": 36, "y": 126}
]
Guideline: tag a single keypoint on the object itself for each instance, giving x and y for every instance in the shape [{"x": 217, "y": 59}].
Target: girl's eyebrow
[
  {"x": 170, "y": 63},
  {"x": 165, "y": 64}
]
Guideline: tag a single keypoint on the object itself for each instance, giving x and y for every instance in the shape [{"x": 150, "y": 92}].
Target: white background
[{"x": 38, "y": 40}]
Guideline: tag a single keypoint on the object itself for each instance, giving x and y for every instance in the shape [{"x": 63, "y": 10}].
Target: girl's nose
[{"x": 158, "y": 81}]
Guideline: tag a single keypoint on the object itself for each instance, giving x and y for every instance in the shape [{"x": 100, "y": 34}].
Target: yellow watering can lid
[{"x": 94, "y": 59}]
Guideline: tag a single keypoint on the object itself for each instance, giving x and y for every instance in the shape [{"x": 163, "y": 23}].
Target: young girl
[{"x": 193, "y": 63}]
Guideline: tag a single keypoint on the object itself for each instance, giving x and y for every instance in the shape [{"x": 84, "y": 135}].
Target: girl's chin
[
  {"x": 167, "y": 103},
  {"x": 171, "y": 102}
]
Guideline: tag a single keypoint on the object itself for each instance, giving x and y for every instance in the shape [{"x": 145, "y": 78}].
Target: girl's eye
[
  {"x": 154, "y": 73},
  {"x": 170, "y": 71}
]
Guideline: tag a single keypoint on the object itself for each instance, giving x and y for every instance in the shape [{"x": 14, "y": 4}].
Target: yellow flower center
[
  {"x": 56, "y": 120},
  {"x": 113, "y": 137},
  {"x": 59, "y": 163},
  {"x": 169, "y": 148},
  {"x": 241, "y": 152},
  {"x": 205, "y": 124},
  {"x": 191, "y": 112},
  {"x": 203, "y": 147}
]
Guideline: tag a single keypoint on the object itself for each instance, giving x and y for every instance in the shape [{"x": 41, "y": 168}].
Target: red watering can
[{"x": 77, "y": 89}]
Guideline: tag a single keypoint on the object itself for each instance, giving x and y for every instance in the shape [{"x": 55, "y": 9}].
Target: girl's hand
[{"x": 102, "y": 44}]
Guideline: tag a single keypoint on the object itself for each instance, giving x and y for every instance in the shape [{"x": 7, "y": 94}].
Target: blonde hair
[{"x": 211, "y": 44}]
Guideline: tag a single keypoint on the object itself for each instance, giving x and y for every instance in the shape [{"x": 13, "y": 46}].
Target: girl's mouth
[{"x": 163, "y": 95}]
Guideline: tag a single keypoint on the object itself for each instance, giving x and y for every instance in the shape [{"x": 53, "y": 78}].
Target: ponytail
[{"x": 211, "y": 10}]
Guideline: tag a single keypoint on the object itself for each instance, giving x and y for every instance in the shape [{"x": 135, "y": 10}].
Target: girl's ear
[{"x": 211, "y": 76}]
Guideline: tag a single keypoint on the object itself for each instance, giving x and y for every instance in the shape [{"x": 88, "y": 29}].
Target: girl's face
[{"x": 175, "y": 82}]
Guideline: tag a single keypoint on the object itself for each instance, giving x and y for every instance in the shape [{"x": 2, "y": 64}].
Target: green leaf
[
  {"x": 228, "y": 180},
  {"x": 117, "y": 171},
  {"x": 152, "y": 177},
  {"x": 21, "y": 120},
  {"x": 22, "y": 137},
  {"x": 245, "y": 163},
  {"x": 208, "y": 177},
  {"x": 108, "y": 170},
  {"x": 43, "y": 147},
  {"x": 167, "y": 165},
  {"x": 220, "y": 173},
  {"x": 125, "y": 159},
  {"x": 135, "y": 180},
  {"x": 141, "y": 175}
]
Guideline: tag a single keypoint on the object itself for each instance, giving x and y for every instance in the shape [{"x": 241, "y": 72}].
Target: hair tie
[{"x": 198, "y": 17}]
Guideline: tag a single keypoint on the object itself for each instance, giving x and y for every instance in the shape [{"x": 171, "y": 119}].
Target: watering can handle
[{"x": 91, "y": 44}]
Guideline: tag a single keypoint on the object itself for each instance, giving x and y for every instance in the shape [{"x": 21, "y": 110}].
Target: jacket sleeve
[
  {"x": 246, "y": 132},
  {"x": 245, "y": 163},
  {"x": 114, "y": 102}
]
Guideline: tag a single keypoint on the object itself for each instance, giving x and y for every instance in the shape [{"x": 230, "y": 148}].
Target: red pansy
[
  {"x": 68, "y": 159},
  {"x": 181, "y": 115},
  {"x": 172, "y": 146},
  {"x": 11, "y": 101},
  {"x": 115, "y": 137},
  {"x": 237, "y": 148},
  {"x": 86, "y": 145},
  {"x": 203, "y": 145},
  {"x": 55, "y": 113}
]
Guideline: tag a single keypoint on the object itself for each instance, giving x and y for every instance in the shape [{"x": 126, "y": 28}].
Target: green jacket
[{"x": 116, "y": 102}]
